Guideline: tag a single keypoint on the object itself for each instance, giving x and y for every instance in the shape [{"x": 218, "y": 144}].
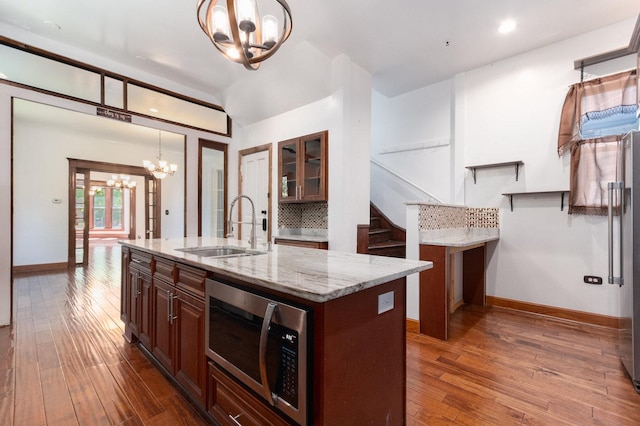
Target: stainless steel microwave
[{"x": 263, "y": 343}]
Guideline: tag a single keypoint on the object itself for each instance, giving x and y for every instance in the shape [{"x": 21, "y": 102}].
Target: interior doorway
[
  {"x": 212, "y": 188},
  {"x": 44, "y": 137},
  {"x": 255, "y": 182},
  {"x": 80, "y": 205}
]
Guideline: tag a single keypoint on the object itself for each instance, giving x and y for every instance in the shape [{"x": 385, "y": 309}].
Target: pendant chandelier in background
[
  {"x": 241, "y": 33},
  {"x": 121, "y": 181},
  {"x": 160, "y": 169}
]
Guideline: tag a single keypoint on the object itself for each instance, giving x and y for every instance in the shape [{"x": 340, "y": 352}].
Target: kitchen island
[{"x": 357, "y": 372}]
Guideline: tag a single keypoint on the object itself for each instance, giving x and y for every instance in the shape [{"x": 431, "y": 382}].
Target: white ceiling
[{"x": 402, "y": 43}]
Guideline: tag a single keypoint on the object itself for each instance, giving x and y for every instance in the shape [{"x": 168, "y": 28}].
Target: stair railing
[{"x": 431, "y": 198}]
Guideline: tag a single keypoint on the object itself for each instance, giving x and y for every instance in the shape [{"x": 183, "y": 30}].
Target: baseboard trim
[
  {"x": 413, "y": 326},
  {"x": 39, "y": 268},
  {"x": 552, "y": 311}
]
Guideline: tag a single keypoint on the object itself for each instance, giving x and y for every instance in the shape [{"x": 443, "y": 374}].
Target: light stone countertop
[
  {"x": 459, "y": 237},
  {"x": 315, "y": 275},
  {"x": 303, "y": 234}
]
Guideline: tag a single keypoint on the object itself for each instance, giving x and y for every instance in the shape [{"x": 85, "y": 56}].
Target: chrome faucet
[{"x": 252, "y": 239}]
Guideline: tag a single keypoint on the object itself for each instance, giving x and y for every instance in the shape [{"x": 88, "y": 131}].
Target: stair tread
[
  {"x": 387, "y": 243},
  {"x": 380, "y": 230}
]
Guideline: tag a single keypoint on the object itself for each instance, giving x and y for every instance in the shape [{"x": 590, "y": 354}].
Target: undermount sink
[{"x": 219, "y": 251}]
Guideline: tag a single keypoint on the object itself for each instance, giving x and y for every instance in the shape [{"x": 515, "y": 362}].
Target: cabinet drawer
[
  {"x": 141, "y": 261},
  {"x": 166, "y": 270},
  {"x": 230, "y": 404},
  {"x": 191, "y": 279}
]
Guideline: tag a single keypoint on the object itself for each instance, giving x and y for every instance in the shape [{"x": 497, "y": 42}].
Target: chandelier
[
  {"x": 239, "y": 32},
  {"x": 121, "y": 181},
  {"x": 160, "y": 169}
]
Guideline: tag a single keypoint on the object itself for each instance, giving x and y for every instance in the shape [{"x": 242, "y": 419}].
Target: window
[{"x": 106, "y": 208}]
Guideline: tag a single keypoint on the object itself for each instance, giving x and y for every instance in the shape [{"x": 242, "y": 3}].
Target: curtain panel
[
  {"x": 593, "y": 100},
  {"x": 593, "y": 166},
  {"x": 595, "y": 116}
]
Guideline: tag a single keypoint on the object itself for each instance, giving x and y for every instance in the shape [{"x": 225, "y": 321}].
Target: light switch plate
[{"x": 385, "y": 302}]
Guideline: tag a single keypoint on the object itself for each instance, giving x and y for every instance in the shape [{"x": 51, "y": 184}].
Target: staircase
[{"x": 385, "y": 238}]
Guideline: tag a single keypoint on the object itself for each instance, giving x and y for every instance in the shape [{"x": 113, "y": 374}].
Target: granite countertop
[
  {"x": 315, "y": 275},
  {"x": 459, "y": 237},
  {"x": 303, "y": 234}
]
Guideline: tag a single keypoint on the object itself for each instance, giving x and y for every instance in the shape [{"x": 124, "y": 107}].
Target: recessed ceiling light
[
  {"x": 3, "y": 76},
  {"x": 507, "y": 26},
  {"x": 153, "y": 110}
]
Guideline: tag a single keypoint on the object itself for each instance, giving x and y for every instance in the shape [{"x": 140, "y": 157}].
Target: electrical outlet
[
  {"x": 591, "y": 279},
  {"x": 385, "y": 302}
]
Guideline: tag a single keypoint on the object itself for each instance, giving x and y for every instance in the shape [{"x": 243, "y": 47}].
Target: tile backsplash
[
  {"x": 433, "y": 216},
  {"x": 304, "y": 215}
]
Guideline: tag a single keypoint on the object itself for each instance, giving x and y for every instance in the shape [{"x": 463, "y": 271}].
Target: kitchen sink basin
[{"x": 219, "y": 251}]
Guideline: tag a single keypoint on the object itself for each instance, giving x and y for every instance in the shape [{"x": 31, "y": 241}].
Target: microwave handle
[{"x": 264, "y": 334}]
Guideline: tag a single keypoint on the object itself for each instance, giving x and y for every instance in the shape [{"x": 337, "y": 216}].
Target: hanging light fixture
[
  {"x": 160, "y": 169},
  {"x": 240, "y": 33},
  {"x": 121, "y": 181}
]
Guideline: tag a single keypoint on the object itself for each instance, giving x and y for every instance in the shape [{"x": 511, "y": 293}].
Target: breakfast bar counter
[
  {"x": 314, "y": 275},
  {"x": 205, "y": 309}
]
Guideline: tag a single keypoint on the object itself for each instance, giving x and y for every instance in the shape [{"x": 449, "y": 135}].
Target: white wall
[
  {"x": 419, "y": 124},
  {"x": 513, "y": 109},
  {"x": 346, "y": 115},
  {"x": 511, "y": 112}
]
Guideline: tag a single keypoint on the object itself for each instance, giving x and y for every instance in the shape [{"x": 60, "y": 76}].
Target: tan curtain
[
  {"x": 593, "y": 166},
  {"x": 593, "y": 161},
  {"x": 595, "y": 95}
]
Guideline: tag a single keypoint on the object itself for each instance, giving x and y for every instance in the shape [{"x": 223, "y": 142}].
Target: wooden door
[
  {"x": 152, "y": 203},
  {"x": 79, "y": 184}
]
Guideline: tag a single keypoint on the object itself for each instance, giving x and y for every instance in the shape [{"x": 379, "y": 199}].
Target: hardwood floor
[
  {"x": 64, "y": 361},
  {"x": 505, "y": 367}
]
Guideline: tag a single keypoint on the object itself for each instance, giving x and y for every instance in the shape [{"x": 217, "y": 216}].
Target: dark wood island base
[{"x": 359, "y": 355}]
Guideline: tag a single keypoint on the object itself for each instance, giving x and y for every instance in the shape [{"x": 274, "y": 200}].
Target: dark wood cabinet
[
  {"x": 163, "y": 336},
  {"x": 371, "y": 391},
  {"x": 163, "y": 308},
  {"x": 230, "y": 404},
  {"x": 303, "y": 169},
  {"x": 188, "y": 323},
  {"x": 136, "y": 297},
  {"x": 125, "y": 286}
]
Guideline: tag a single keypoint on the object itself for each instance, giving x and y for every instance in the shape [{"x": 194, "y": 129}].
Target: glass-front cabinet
[{"x": 303, "y": 169}]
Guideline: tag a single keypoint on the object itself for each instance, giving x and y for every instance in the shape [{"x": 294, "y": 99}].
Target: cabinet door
[
  {"x": 132, "y": 310},
  {"x": 288, "y": 168},
  {"x": 125, "y": 289},
  {"x": 190, "y": 368},
  {"x": 144, "y": 309},
  {"x": 163, "y": 339},
  {"x": 313, "y": 167}
]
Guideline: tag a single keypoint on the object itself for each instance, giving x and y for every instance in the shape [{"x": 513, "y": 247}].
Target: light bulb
[
  {"x": 269, "y": 30},
  {"x": 220, "y": 23}
]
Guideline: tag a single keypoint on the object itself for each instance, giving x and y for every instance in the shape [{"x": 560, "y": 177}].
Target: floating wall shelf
[
  {"x": 473, "y": 169},
  {"x": 534, "y": 193}
]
